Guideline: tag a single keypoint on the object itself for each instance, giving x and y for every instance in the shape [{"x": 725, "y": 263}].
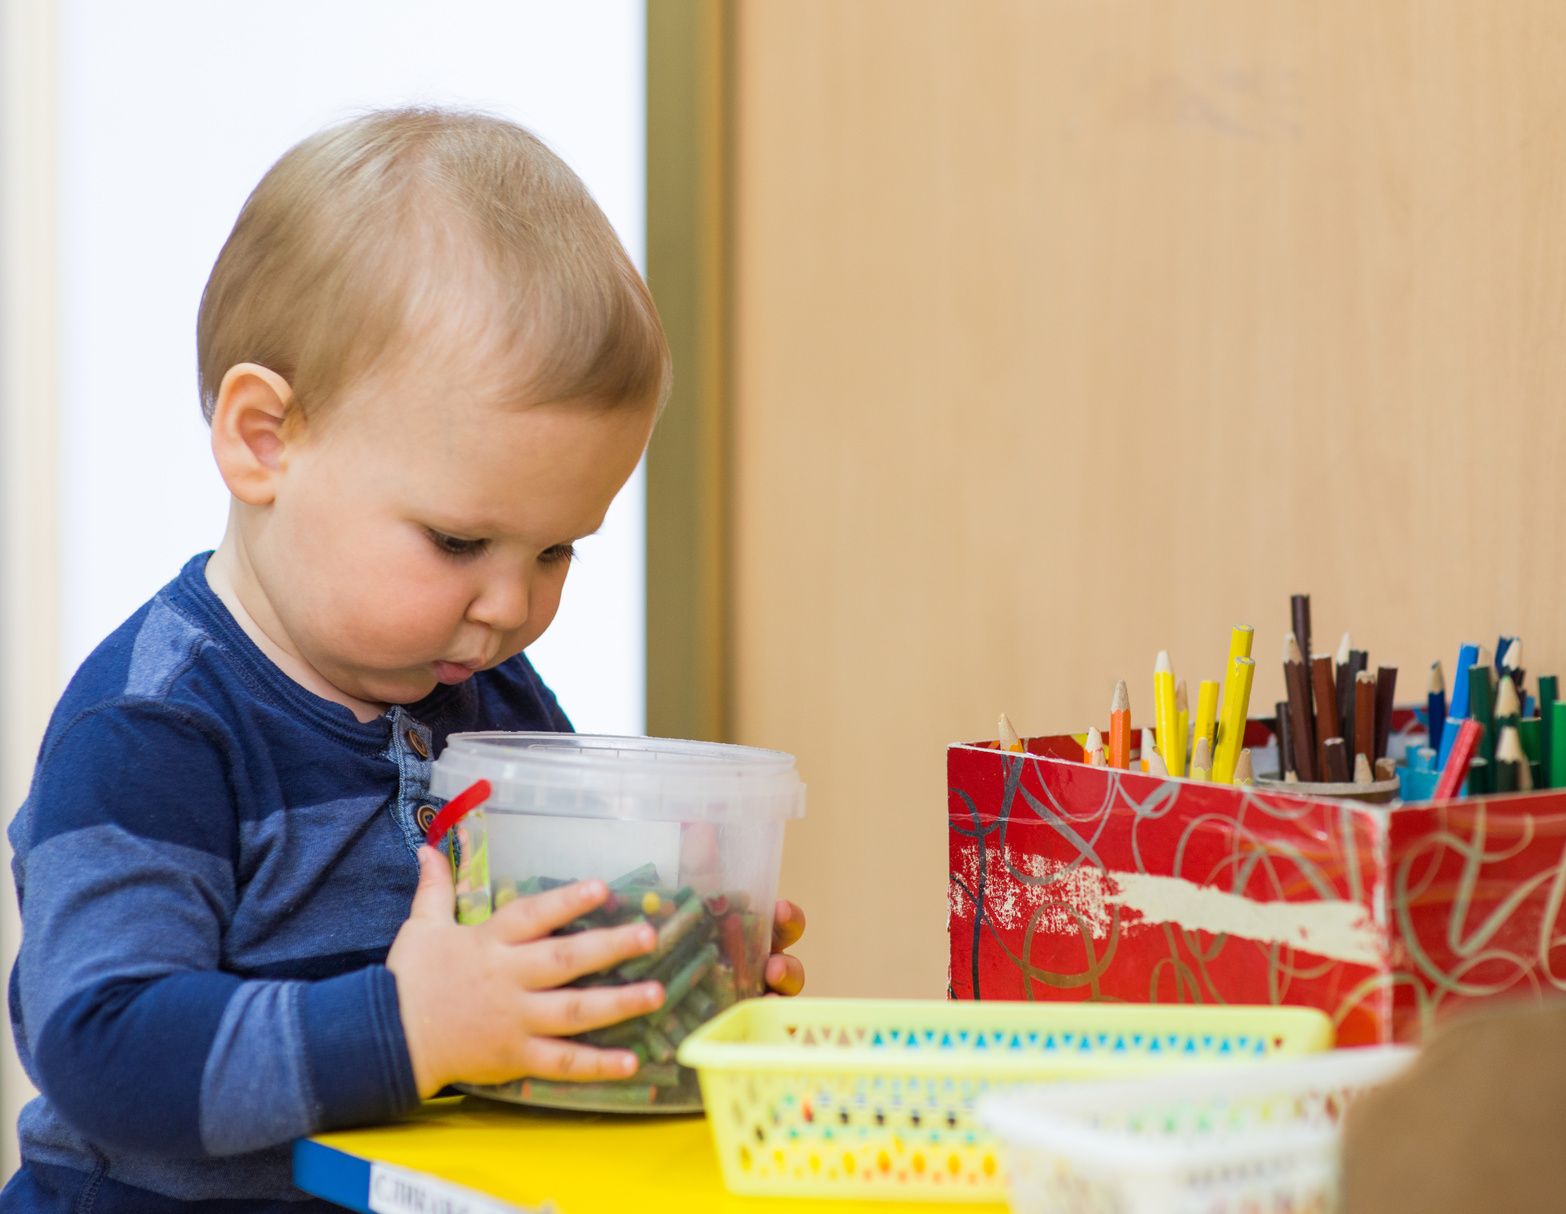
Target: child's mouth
[{"x": 451, "y": 672}]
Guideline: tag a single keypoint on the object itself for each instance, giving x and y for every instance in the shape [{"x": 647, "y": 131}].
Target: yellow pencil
[
  {"x": 1201, "y": 758},
  {"x": 1008, "y": 735},
  {"x": 1182, "y": 722},
  {"x": 1243, "y": 773},
  {"x": 1231, "y": 725},
  {"x": 1225, "y": 756},
  {"x": 1164, "y": 716},
  {"x": 1206, "y": 711}
]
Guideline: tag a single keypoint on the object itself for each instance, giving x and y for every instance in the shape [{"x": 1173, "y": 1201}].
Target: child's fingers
[
  {"x": 571, "y": 1010},
  {"x": 559, "y": 959},
  {"x": 785, "y": 974},
  {"x": 788, "y": 924},
  {"x": 547, "y": 1058},
  {"x": 537, "y": 915},
  {"x": 436, "y": 897}
]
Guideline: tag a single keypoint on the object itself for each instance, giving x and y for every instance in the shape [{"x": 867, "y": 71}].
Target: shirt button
[
  {"x": 424, "y": 816},
  {"x": 420, "y": 747}
]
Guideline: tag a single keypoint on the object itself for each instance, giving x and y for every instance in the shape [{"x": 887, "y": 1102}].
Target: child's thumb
[{"x": 436, "y": 897}]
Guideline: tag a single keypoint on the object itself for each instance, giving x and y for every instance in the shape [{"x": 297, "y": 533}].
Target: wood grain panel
[{"x": 1070, "y": 330}]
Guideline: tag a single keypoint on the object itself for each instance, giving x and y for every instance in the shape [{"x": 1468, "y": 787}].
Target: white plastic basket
[{"x": 1253, "y": 1138}]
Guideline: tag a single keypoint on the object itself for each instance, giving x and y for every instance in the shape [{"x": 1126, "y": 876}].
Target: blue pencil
[
  {"x": 1500, "y": 651},
  {"x": 1435, "y": 704},
  {"x": 1467, "y": 655}
]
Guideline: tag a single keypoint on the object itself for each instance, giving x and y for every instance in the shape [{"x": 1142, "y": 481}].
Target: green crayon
[
  {"x": 686, "y": 916},
  {"x": 694, "y": 971}
]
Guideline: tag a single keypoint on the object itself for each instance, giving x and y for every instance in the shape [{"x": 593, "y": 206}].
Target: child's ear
[{"x": 248, "y": 431}]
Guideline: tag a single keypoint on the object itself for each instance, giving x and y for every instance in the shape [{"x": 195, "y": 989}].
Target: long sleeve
[{"x": 136, "y": 1035}]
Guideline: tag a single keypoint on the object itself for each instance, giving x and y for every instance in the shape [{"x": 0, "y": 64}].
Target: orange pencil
[
  {"x": 1008, "y": 736},
  {"x": 1120, "y": 728},
  {"x": 1093, "y": 749}
]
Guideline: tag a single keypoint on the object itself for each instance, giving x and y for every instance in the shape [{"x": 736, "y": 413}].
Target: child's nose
[{"x": 503, "y": 605}]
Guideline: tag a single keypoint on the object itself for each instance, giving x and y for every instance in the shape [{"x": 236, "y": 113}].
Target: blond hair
[{"x": 348, "y": 245}]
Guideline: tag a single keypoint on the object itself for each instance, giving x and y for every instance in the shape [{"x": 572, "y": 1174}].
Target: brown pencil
[
  {"x": 1335, "y": 761},
  {"x": 1365, "y": 716},
  {"x": 1386, "y": 688},
  {"x": 1299, "y": 614},
  {"x": 1303, "y": 729},
  {"x": 1326, "y": 707}
]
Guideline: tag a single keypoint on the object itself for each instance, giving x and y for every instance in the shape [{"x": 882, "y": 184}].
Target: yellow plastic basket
[{"x": 874, "y": 1098}]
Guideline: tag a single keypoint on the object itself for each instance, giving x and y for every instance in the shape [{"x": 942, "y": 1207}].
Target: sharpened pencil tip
[
  {"x": 1513, "y": 658},
  {"x": 1162, "y": 666},
  {"x": 1362, "y": 772},
  {"x": 1437, "y": 678},
  {"x": 1008, "y": 734},
  {"x": 1156, "y": 765},
  {"x": 1095, "y": 740},
  {"x": 1121, "y": 701},
  {"x": 1509, "y": 749},
  {"x": 1506, "y": 702},
  {"x": 1345, "y": 649},
  {"x": 1244, "y": 773},
  {"x": 1365, "y": 676},
  {"x": 1291, "y": 648}
]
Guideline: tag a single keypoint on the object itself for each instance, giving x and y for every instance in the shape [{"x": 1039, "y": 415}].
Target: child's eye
[
  {"x": 452, "y": 546},
  {"x": 556, "y": 554}
]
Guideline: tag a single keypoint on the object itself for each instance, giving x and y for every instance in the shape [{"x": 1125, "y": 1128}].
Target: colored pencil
[
  {"x": 1481, "y": 700},
  {"x": 1435, "y": 704},
  {"x": 1343, "y": 665},
  {"x": 1386, "y": 692},
  {"x": 1093, "y": 749},
  {"x": 1285, "y": 735},
  {"x": 1299, "y": 615},
  {"x": 1148, "y": 750},
  {"x": 1362, "y": 772},
  {"x": 1156, "y": 765},
  {"x": 1531, "y": 731},
  {"x": 1512, "y": 666},
  {"x": 1231, "y": 724},
  {"x": 1335, "y": 761},
  {"x": 1296, "y": 682},
  {"x": 1326, "y": 707},
  {"x": 1479, "y": 777},
  {"x": 1509, "y": 760},
  {"x": 1386, "y": 768},
  {"x": 1201, "y": 759},
  {"x": 1549, "y": 692},
  {"x": 1502, "y": 644},
  {"x": 1120, "y": 727},
  {"x": 1365, "y": 717},
  {"x": 1182, "y": 721},
  {"x": 1467, "y": 655},
  {"x": 1455, "y": 770},
  {"x": 1508, "y": 707},
  {"x": 1008, "y": 736},
  {"x": 1244, "y": 773},
  {"x": 1207, "y": 711},
  {"x": 1164, "y": 716}
]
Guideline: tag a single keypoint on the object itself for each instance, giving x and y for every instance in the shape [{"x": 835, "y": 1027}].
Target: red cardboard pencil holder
[{"x": 1076, "y": 882}]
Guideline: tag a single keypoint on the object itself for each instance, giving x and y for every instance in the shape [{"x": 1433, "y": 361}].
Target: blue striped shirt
[{"x": 212, "y": 863}]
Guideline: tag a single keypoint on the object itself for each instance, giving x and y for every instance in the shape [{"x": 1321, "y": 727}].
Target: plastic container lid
[{"x": 644, "y": 779}]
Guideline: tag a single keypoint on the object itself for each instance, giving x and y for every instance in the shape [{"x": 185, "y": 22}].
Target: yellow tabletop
[{"x": 519, "y": 1158}]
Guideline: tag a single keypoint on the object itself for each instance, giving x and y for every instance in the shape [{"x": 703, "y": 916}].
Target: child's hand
[
  {"x": 785, "y": 974},
  {"x": 478, "y": 1003}
]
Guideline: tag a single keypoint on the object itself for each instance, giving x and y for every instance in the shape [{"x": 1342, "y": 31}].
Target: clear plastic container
[
  {"x": 689, "y": 835},
  {"x": 1262, "y": 1138}
]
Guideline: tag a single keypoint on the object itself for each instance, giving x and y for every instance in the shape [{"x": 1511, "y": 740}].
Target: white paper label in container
[
  {"x": 522, "y": 845},
  {"x": 399, "y": 1191}
]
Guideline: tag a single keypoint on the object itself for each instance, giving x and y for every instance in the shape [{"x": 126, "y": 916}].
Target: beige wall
[{"x": 1068, "y": 331}]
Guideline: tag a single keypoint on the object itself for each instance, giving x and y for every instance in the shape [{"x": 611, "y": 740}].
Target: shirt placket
[{"x": 411, "y": 747}]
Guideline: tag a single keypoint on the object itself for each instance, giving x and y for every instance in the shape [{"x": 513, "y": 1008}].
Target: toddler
[{"x": 428, "y": 366}]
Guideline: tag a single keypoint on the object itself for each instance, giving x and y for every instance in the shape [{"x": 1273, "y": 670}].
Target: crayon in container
[{"x": 689, "y": 838}]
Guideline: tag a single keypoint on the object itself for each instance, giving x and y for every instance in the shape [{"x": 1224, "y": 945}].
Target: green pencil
[
  {"x": 1481, "y": 706},
  {"x": 1549, "y": 692},
  {"x": 1557, "y": 727}
]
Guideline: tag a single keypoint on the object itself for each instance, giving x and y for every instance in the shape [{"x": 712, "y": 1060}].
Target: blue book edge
[{"x": 327, "y": 1173}]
